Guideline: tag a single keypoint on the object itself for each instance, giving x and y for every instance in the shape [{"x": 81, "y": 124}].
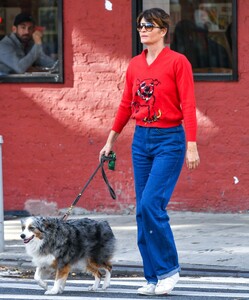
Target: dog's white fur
[{"x": 46, "y": 263}]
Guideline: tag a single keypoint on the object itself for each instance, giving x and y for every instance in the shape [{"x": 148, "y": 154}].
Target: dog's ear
[
  {"x": 156, "y": 82},
  {"x": 22, "y": 222},
  {"x": 47, "y": 224},
  {"x": 40, "y": 223},
  {"x": 138, "y": 82}
]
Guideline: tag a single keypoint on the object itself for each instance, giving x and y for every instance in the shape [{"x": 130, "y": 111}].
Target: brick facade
[{"x": 53, "y": 132}]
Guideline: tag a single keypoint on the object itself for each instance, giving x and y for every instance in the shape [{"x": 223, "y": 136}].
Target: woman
[{"x": 158, "y": 94}]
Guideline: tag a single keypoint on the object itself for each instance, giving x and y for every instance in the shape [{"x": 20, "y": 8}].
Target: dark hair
[
  {"x": 158, "y": 16},
  {"x": 23, "y": 17}
]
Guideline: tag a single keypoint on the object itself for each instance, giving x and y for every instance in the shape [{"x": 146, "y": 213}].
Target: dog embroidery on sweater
[{"x": 145, "y": 100}]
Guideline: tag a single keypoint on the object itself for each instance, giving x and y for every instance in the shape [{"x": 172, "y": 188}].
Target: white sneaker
[
  {"x": 166, "y": 285},
  {"x": 148, "y": 289}
]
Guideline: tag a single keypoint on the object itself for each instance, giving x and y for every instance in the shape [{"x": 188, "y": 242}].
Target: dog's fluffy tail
[{"x": 104, "y": 252}]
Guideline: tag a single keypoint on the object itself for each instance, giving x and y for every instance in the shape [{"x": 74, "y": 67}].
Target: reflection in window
[
  {"x": 25, "y": 56},
  {"x": 202, "y": 30}
]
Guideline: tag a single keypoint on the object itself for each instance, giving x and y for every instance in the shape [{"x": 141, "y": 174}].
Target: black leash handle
[{"x": 110, "y": 158}]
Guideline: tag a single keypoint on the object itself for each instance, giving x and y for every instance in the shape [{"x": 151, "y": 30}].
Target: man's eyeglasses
[{"x": 147, "y": 26}]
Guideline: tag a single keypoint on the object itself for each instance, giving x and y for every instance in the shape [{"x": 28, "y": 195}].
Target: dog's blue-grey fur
[{"x": 71, "y": 240}]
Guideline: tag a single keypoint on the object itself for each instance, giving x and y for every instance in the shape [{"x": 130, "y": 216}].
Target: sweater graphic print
[
  {"x": 160, "y": 94},
  {"x": 143, "y": 105}
]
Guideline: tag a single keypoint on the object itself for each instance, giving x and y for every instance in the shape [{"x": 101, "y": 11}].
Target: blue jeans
[{"x": 158, "y": 156}]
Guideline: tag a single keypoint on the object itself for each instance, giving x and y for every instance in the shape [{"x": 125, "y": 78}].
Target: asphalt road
[{"x": 188, "y": 288}]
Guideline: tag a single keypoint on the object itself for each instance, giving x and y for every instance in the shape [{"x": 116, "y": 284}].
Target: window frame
[
  {"x": 45, "y": 78},
  {"x": 137, "y": 47}
]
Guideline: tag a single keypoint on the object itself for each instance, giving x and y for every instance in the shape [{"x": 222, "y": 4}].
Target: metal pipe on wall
[{"x": 1, "y": 200}]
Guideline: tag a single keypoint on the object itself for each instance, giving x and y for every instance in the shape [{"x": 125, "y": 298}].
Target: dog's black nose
[{"x": 22, "y": 236}]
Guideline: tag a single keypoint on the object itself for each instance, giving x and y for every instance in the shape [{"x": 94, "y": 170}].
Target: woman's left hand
[{"x": 192, "y": 156}]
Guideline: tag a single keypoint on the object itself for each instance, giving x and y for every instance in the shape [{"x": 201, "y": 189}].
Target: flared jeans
[{"x": 158, "y": 156}]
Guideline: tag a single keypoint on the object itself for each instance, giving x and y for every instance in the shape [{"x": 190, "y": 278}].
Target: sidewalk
[{"x": 205, "y": 241}]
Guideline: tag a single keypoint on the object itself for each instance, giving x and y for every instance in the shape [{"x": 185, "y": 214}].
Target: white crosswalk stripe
[{"x": 206, "y": 287}]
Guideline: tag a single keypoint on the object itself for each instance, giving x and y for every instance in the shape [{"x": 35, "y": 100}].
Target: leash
[{"x": 111, "y": 158}]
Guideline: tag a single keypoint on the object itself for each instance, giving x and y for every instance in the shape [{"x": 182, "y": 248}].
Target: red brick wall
[
  {"x": 53, "y": 133},
  {"x": 223, "y": 139}
]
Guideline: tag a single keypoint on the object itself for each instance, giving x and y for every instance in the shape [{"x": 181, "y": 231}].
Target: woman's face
[{"x": 151, "y": 35}]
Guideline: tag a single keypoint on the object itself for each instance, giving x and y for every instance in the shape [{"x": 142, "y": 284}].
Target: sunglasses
[{"x": 147, "y": 26}]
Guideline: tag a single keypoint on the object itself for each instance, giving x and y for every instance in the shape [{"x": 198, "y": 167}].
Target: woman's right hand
[
  {"x": 105, "y": 151},
  {"x": 109, "y": 144}
]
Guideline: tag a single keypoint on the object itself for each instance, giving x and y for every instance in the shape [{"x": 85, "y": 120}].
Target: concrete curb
[{"x": 126, "y": 268}]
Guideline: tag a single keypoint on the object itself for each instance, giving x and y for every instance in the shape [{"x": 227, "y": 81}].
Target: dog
[{"x": 55, "y": 244}]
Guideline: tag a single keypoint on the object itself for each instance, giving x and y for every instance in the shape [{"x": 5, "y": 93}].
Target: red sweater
[{"x": 160, "y": 94}]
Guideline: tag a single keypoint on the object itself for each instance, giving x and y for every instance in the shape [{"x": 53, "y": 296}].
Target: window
[
  {"x": 205, "y": 31},
  {"x": 47, "y": 66}
]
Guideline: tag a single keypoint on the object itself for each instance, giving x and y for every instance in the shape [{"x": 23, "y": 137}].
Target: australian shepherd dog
[{"x": 57, "y": 245}]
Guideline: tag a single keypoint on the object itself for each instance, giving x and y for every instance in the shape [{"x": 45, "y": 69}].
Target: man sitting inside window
[{"x": 22, "y": 51}]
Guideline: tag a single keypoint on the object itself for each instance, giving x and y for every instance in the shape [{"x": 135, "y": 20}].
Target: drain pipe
[{"x": 1, "y": 200}]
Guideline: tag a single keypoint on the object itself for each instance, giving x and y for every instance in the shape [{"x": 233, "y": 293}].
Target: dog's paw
[
  {"x": 93, "y": 288},
  {"x": 105, "y": 286},
  {"x": 53, "y": 292},
  {"x": 43, "y": 284}
]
